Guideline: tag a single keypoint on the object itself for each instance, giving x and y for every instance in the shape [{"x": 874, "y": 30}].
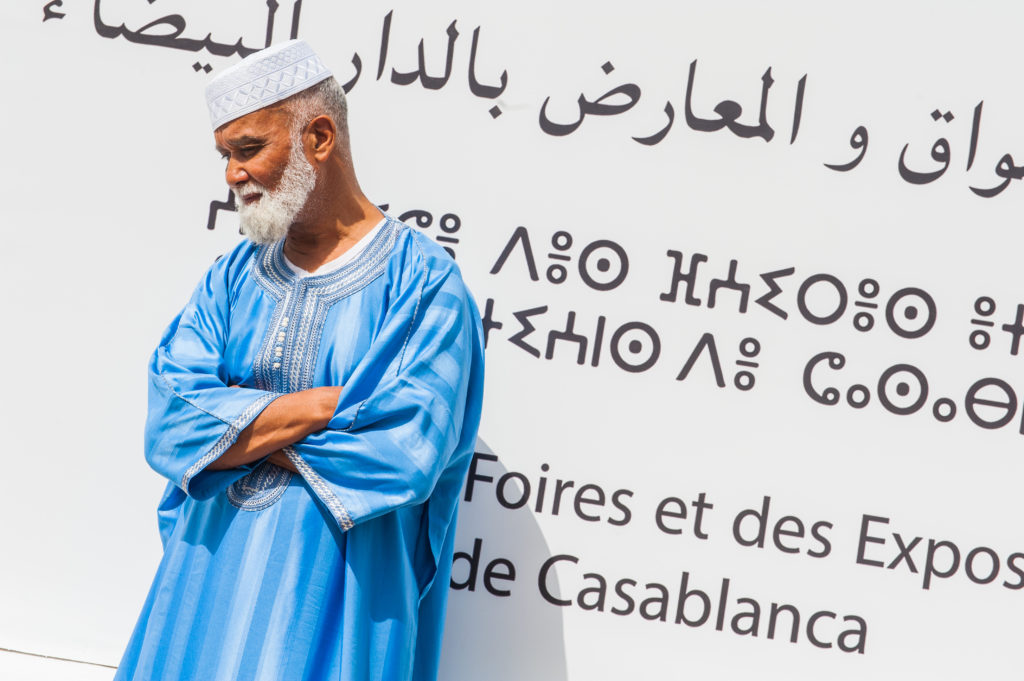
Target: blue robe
[{"x": 340, "y": 572}]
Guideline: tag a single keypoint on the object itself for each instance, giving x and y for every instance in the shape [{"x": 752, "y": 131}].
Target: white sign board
[{"x": 749, "y": 276}]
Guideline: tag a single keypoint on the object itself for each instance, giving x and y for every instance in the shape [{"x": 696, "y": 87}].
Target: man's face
[{"x": 268, "y": 172}]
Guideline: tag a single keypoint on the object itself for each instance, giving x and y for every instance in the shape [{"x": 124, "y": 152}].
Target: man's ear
[{"x": 322, "y": 135}]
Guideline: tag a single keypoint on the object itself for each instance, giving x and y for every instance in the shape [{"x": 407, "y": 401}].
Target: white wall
[{"x": 108, "y": 179}]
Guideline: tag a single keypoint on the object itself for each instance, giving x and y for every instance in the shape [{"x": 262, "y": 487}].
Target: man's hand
[
  {"x": 285, "y": 421},
  {"x": 279, "y": 458}
]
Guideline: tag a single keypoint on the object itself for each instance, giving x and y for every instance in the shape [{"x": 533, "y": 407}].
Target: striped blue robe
[{"x": 340, "y": 572}]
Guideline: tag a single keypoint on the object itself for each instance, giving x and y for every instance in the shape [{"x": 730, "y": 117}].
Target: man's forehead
[{"x": 253, "y": 127}]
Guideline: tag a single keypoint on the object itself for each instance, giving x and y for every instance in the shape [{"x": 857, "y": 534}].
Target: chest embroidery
[{"x": 287, "y": 357}]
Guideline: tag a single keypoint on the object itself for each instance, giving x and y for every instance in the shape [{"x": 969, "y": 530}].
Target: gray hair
[{"x": 326, "y": 97}]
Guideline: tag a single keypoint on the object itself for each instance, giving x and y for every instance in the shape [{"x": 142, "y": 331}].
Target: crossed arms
[
  {"x": 285, "y": 421},
  {"x": 405, "y": 421}
]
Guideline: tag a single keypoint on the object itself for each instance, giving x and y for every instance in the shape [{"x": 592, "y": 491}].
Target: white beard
[{"x": 268, "y": 219}]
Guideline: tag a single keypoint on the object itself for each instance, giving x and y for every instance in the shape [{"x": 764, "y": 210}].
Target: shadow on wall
[{"x": 499, "y": 628}]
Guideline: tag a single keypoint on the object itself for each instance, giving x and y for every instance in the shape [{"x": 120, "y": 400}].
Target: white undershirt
[{"x": 342, "y": 260}]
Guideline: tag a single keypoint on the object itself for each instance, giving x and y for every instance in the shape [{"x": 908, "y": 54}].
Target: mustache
[{"x": 248, "y": 188}]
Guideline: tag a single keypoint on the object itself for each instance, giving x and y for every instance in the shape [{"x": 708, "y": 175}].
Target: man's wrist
[{"x": 325, "y": 403}]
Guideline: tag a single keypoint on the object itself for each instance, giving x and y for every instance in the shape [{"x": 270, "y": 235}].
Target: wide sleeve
[
  {"x": 409, "y": 410},
  {"x": 194, "y": 416}
]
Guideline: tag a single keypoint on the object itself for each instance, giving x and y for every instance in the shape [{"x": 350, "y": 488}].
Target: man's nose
[{"x": 235, "y": 173}]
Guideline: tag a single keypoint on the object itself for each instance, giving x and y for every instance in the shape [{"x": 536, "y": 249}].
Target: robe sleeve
[
  {"x": 194, "y": 416},
  {"x": 411, "y": 405}
]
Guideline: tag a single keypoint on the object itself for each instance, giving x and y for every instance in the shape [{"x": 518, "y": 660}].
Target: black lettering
[
  {"x": 560, "y": 486},
  {"x": 1016, "y": 569},
  {"x": 661, "y": 600},
  {"x": 570, "y": 336},
  {"x": 810, "y": 628},
  {"x": 526, "y": 328},
  {"x": 866, "y": 539},
  {"x": 542, "y": 578},
  {"x": 603, "y": 265},
  {"x": 1016, "y": 329},
  {"x": 690, "y": 278},
  {"x": 706, "y": 341},
  {"x": 773, "y": 616},
  {"x": 488, "y": 321},
  {"x": 684, "y": 596},
  {"x": 801, "y": 299},
  {"x": 700, "y": 505},
  {"x": 829, "y": 395},
  {"x": 520, "y": 236},
  {"x": 581, "y": 499},
  {"x": 599, "y": 591},
  {"x": 664, "y": 511},
  {"x": 904, "y": 553},
  {"x": 524, "y": 495},
  {"x": 883, "y": 389},
  {"x": 474, "y": 562},
  {"x": 626, "y": 598},
  {"x": 473, "y": 476},
  {"x": 491, "y": 573},
  {"x": 754, "y": 616},
  {"x": 595, "y": 358},
  {"x": 617, "y": 502},
  {"x": 817, "y": 533},
  {"x": 781, "y": 531},
  {"x": 929, "y": 562},
  {"x": 634, "y": 347},
  {"x": 890, "y": 313},
  {"x": 993, "y": 571},
  {"x": 729, "y": 283},
  {"x": 541, "y": 488},
  {"x": 723, "y": 596},
  {"x": 762, "y": 520},
  {"x": 773, "y": 290},
  {"x": 861, "y": 634},
  {"x": 1008, "y": 405}
]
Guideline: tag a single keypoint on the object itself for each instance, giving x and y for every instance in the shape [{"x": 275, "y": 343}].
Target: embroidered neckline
[{"x": 274, "y": 276}]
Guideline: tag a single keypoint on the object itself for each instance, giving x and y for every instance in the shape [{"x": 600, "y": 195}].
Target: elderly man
[{"x": 314, "y": 406}]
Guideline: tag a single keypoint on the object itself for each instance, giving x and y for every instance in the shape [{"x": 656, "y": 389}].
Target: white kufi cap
[{"x": 263, "y": 78}]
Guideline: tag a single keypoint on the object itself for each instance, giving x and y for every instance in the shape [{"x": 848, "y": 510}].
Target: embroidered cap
[{"x": 263, "y": 78}]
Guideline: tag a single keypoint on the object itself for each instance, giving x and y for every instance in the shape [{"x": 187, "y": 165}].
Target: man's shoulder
[
  {"x": 239, "y": 256},
  {"x": 220, "y": 280},
  {"x": 227, "y": 267},
  {"x": 419, "y": 253}
]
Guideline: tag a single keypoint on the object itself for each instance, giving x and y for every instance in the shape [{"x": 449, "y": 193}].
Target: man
[{"x": 314, "y": 406}]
